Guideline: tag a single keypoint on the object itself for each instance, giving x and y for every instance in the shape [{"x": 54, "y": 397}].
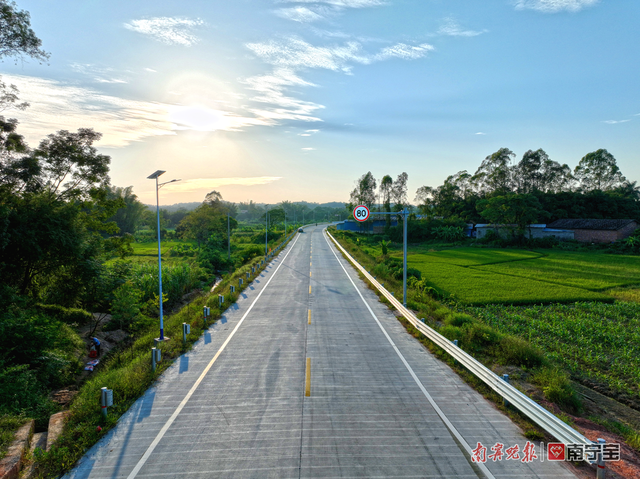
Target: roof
[{"x": 590, "y": 224}]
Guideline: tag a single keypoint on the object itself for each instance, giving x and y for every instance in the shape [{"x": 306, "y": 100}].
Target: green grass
[
  {"x": 8, "y": 427},
  {"x": 486, "y": 276}
]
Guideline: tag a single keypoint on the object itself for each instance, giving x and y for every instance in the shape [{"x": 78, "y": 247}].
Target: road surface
[{"x": 309, "y": 376}]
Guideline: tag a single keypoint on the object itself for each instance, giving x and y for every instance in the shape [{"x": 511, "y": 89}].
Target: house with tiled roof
[{"x": 597, "y": 230}]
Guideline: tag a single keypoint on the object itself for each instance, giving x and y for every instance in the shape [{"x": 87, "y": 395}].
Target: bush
[
  {"x": 517, "y": 351},
  {"x": 457, "y": 319},
  {"x": 66, "y": 315},
  {"x": 22, "y": 393},
  {"x": 558, "y": 389}
]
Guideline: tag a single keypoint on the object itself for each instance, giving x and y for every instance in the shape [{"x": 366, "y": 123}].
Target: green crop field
[
  {"x": 484, "y": 276},
  {"x": 595, "y": 341}
]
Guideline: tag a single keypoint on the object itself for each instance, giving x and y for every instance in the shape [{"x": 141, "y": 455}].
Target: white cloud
[
  {"x": 308, "y": 149},
  {"x": 308, "y": 133},
  {"x": 615, "y": 122},
  {"x": 341, "y": 3},
  {"x": 453, "y": 29},
  {"x": 554, "y": 6},
  {"x": 187, "y": 186},
  {"x": 98, "y": 74},
  {"x": 172, "y": 31},
  {"x": 293, "y": 54},
  {"x": 406, "y": 52},
  {"x": 271, "y": 89},
  {"x": 296, "y": 53},
  {"x": 151, "y": 70},
  {"x": 299, "y": 14},
  {"x": 61, "y": 106},
  {"x": 481, "y": 133}
]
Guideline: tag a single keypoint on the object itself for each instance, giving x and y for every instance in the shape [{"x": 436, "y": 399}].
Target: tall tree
[
  {"x": 494, "y": 174},
  {"x": 364, "y": 193},
  {"x": 598, "y": 171},
  {"x": 17, "y": 39},
  {"x": 386, "y": 187},
  {"x": 130, "y": 216},
  {"x": 537, "y": 172},
  {"x": 399, "y": 191}
]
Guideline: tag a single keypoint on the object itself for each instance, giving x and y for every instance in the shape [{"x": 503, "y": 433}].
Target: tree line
[{"x": 534, "y": 189}]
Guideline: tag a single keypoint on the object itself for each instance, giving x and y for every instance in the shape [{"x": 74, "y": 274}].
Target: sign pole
[{"x": 404, "y": 265}]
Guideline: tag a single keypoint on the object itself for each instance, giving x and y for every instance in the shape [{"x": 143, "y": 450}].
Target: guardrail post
[
  {"x": 186, "y": 329},
  {"x": 106, "y": 400},
  {"x": 505, "y": 377},
  {"x": 153, "y": 359},
  {"x": 455, "y": 343},
  {"x": 239, "y": 282},
  {"x": 423, "y": 320},
  {"x": 248, "y": 275},
  {"x": 220, "y": 300},
  {"x": 232, "y": 288},
  {"x": 602, "y": 472}
]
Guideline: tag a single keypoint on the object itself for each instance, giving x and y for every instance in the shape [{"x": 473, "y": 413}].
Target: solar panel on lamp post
[{"x": 155, "y": 176}]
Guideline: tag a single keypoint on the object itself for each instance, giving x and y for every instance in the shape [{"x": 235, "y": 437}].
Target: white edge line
[
  {"x": 444, "y": 418},
  {"x": 173, "y": 417}
]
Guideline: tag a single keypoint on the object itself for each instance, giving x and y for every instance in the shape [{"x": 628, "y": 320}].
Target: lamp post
[
  {"x": 266, "y": 230},
  {"x": 155, "y": 176}
]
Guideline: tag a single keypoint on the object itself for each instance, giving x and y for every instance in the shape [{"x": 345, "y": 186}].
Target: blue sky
[{"x": 275, "y": 100}]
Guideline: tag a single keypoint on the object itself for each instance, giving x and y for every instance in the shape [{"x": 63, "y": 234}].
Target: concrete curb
[
  {"x": 11, "y": 464},
  {"x": 56, "y": 425}
]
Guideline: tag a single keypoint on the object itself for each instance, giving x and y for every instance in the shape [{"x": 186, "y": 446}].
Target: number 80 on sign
[{"x": 361, "y": 213}]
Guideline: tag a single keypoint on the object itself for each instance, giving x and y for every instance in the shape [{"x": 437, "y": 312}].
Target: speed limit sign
[{"x": 361, "y": 213}]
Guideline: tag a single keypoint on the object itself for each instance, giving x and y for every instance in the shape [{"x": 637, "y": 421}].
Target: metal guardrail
[{"x": 536, "y": 413}]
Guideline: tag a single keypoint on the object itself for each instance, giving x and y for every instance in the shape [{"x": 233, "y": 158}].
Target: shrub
[
  {"x": 22, "y": 393},
  {"x": 517, "y": 351},
  {"x": 480, "y": 336},
  {"x": 558, "y": 389},
  {"x": 458, "y": 319},
  {"x": 66, "y": 315}
]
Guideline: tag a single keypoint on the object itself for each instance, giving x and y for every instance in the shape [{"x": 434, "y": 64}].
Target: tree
[
  {"x": 494, "y": 174},
  {"x": 399, "y": 191},
  {"x": 17, "y": 39},
  {"x": 70, "y": 166},
  {"x": 364, "y": 193},
  {"x": 520, "y": 210},
  {"x": 598, "y": 171},
  {"x": 129, "y": 217},
  {"x": 537, "y": 172},
  {"x": 386, "y": 187}
]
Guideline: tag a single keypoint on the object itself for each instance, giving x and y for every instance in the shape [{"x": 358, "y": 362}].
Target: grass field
[{"x": 484, "y": 276}]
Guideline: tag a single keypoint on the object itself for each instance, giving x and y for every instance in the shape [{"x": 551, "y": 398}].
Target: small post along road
[{"x": 308, "y": 375}]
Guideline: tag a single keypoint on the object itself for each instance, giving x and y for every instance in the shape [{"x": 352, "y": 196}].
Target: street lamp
[
  {"x": 266, "y": 230},
  {"x": 155, "y": 176}
]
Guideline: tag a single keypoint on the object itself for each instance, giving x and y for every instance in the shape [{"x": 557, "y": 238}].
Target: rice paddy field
[{"x": 476, "y": 276}]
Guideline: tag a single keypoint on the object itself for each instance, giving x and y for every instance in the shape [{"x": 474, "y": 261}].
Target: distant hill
[{"x": 177, "y": 206}]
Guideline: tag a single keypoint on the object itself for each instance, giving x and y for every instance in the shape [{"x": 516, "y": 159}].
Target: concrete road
[{"x": 309, "y": 376}]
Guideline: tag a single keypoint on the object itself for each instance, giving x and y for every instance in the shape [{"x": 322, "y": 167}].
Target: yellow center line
[
  {"x": 309, "y": 316},
  {"x": 309, "y": 289},
  {"x": 307, "y": 388},
  {"x": 309, "y": 274}
]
